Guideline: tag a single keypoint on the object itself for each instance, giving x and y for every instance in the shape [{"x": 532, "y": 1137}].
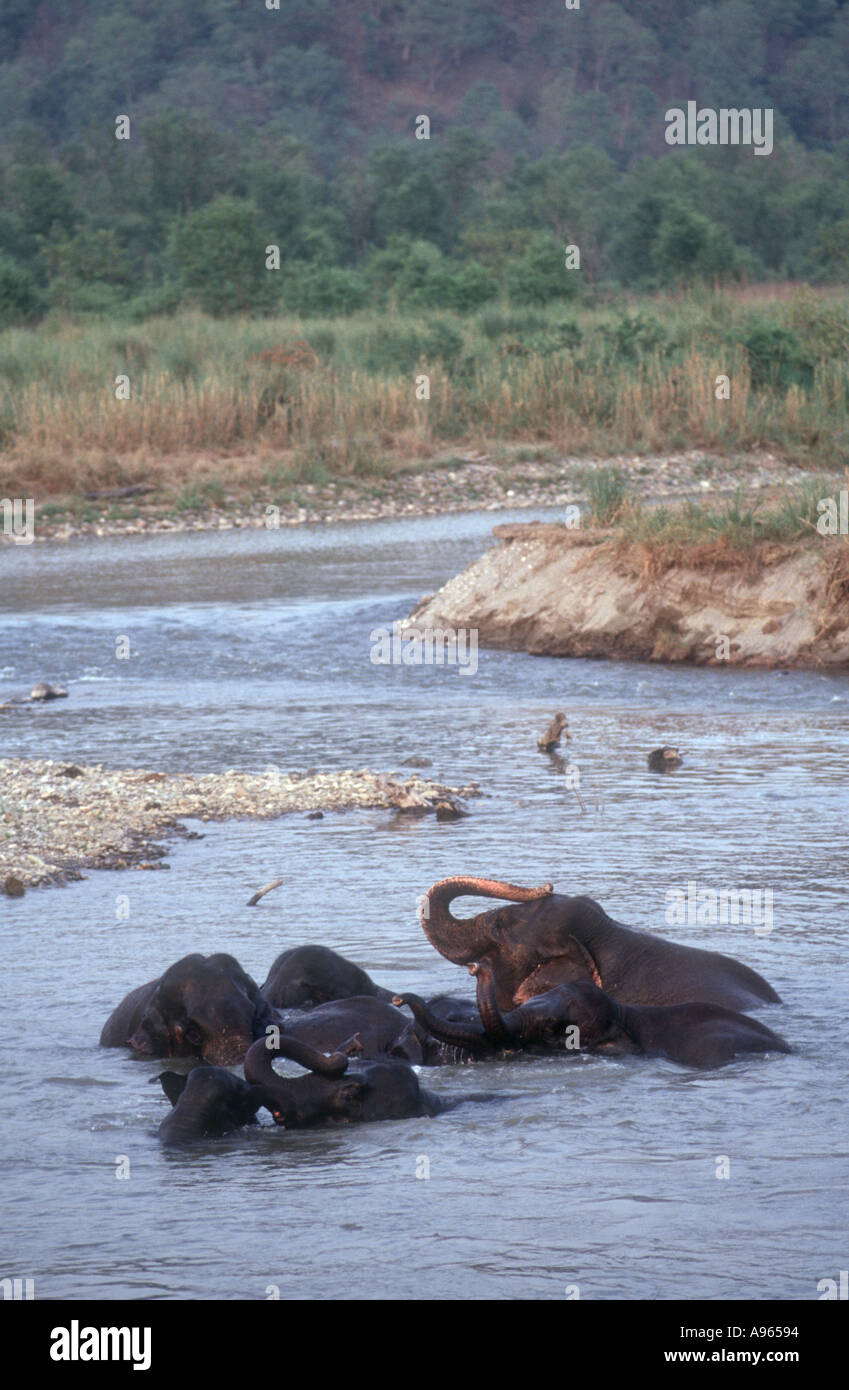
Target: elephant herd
[{"x": 553, "y": 973}]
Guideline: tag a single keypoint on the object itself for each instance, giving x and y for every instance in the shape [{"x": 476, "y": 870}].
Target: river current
[{"x": 589, "y": 1177}]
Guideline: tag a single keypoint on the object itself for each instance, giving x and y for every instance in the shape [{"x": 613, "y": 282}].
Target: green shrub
[
  {"x": 217, "y": 253},
  {"x": 496, "y": 323},
  {"x": 324, "y": 289},
  {"x": 606, "y": 490},
  {"x": 540, "y": 275},
  {"x": 20, "y": 299},
  {"x": 634, "y": 335},
  {"x": 442, "y": 341},
  {"x": 775, "y": 355}
]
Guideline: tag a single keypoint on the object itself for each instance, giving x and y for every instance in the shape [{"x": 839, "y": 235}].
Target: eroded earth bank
[{"x": 554, "y": 591}]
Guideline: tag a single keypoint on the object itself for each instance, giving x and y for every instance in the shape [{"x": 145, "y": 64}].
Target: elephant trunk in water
[
  {"x": 454, "y": 1033},
  {"x": 463, "y": 940}
]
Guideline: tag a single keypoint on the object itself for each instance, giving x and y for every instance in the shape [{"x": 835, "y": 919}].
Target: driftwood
[
  {"x": 275, "y": 883},
  {"x": 134, "y": 490}
]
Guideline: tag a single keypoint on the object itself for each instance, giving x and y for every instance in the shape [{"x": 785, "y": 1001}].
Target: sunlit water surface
[{"x": 250, "y": 650}]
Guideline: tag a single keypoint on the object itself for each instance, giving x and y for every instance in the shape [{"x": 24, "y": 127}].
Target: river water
[{"x": 590, "y": 1177}]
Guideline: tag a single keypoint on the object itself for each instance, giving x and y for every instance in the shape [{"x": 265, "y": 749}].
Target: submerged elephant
[
  {"x": 209, "y": 1102},
  {"x": 547, "y": 939},
  {"x": 581, "y": 1016},
  {"x": 307, "y": 975},
  {"x": 379, "y": 1027},
  {"x": 203, "y": 1006},
  {"x": 337, "y": 1090}
]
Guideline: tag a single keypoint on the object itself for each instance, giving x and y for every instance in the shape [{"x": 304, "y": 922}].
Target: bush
[
  {"x": 688, "y": 247},
  {"x": 468, "y": 288},
  {"x": 606, "y": 490},
  {"x": 217, "y": 253},
  {"x": 20, "y": 299},
  {"x": 540, "y": 275},
  {"x": 776, "y": 357},
  {"x": 443, "y": 342},
  {"x": 633, "y": 335},
  {"x": 313, "y": 290},
  {"x": 495, "y": 323}
]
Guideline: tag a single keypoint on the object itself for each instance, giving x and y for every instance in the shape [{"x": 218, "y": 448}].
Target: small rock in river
[
  {"x": 13, "y": 887},
  {"x": 45, "y": 691}
]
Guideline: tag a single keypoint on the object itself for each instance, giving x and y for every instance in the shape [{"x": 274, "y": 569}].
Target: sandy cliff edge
[{"x": 553, "y": 591}]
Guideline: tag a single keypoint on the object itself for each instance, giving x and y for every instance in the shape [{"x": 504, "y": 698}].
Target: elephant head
[
  {"x": 307, "y": 975},
  {"x": 202, "y": 1007},
  {"x": 571, "y": 1016},
  {"x": 578, "y": 1015},
  {"x": 208, "y": 1102},
  {"x": 337, "y": 1090},
  {"x": 529, "y": 946}
]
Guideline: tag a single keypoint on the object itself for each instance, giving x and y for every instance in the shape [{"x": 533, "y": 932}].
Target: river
[{"x": 589, "y": 1177}]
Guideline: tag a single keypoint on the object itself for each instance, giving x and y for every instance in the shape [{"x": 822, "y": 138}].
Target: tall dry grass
[{"x": 634, "y": 376}]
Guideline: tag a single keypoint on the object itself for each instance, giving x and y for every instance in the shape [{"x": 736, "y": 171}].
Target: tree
[
  {"x": 20, "y": 300},
  {"x": 540, "y": 275},
  {"x": 218, "y": 255}
]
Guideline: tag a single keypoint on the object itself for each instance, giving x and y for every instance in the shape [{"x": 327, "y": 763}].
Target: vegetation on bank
[
  {"x": 309, "y": 400},
  {"x": 739, "y": 522}
]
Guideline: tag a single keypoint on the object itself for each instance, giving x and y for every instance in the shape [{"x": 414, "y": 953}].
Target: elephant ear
[
  {"x": 570, "y": 965},
  {"x": 173, "y": 1084},
  {"x": 348, "y": 1097}
]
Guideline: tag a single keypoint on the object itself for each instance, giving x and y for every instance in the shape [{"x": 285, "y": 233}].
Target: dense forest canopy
[{"x": 296, "y": 126}]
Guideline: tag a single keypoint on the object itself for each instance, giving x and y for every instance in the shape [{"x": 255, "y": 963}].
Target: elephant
[
  {"x": 581, "y": 1016},
  {"x": 337, "y": 1090},
  {"x": 209, "y": 1102},
  {"x": 203, "y": 1006},
  {"x": 210, "y": 1008},
  {"x": 307, "y": 975},
  {"x": 380, "y": 1029},
  {"x": 382, "y": 1032},
  {"x": 545, "y": 939}
]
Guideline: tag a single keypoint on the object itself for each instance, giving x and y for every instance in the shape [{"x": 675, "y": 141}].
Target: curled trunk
[
  {"x": 451, "y": 1032},
  {"x": 261, "y": 1053},
  {"x": 465, "y": 940}
]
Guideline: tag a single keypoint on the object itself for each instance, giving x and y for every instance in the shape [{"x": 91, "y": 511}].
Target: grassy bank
[{"x": 308, "y": 400}]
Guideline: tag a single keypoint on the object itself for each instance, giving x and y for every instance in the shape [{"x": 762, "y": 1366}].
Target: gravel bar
[{"x": 57, "y": 819}]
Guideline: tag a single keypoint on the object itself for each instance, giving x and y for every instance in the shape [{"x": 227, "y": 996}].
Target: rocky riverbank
[
  {"x": 510, "y": 477},
  {"x": 58, "y": 819},
  {"x": 553, "y": 591}
]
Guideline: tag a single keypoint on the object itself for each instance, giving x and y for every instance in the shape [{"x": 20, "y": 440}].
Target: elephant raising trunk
[{"x": 465, "y": 940}]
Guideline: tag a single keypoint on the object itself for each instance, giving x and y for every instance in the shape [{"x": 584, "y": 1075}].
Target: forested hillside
[{"x": 296, "y": 126}]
